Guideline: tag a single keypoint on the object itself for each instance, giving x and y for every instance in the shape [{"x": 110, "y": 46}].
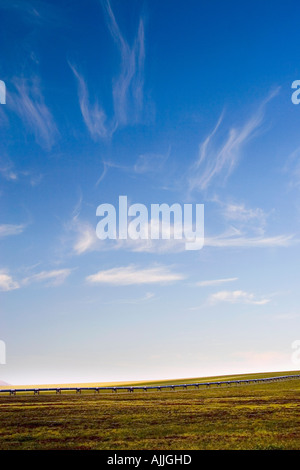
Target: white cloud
[
  {"x": 10, "y": 229},
  {"x": 7, "y": 283},
  {"x": 150, "y": 163},
  {"x": 109, "y": 164},
  {"x": 8, "y": 172},
  {"x": 128, "y": 275},
  {"x": 219, "y": 160},
  {"x": 34, "y": 11},
  {"x": 86, "y": 239},
  {"x": 55, "y": 277},
  {"x": 231, "y": 239},
  {"x": 80, "y": 235},
  {"x": 93, "y": 115},
  {"x": 251, "y": 220},
  {"x": 237, "y": 296},
  {"x": 292, "y": 167},
  {"x": 23, "y": 7},
  {"x": 216, "y": 282},
  {"x": 249, "y": 230},
  {"x": 240, "y": 213},
  {"x": 223, "y": 241},
  {"x": 128, "y": 88},
  {"x": 28, "y": 102}
]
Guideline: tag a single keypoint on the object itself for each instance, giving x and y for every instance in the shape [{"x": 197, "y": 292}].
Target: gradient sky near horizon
[{"x": 162, "y": 101}]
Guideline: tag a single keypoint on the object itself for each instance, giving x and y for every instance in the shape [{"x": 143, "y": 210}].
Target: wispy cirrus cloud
[
  {"x": 7, "y": 170},
  {"x": 239, "y": 212},
  {"x": 27, "y": 9},
  {"x": 216, "y": 282},
  {"x": 238, "y": 240},
  {"x": 237, "y": 296},
  {"x": 147, "y": 163},
  {"x": 7, "y": 230},
  {"x": 150, "y": 163},
  {"x": 85, "y": 239},
  {"x": 109, "y": 164},
  {"x": 10, "y": 173},
  {"x": 292, "y": 168},
  {"x": 220, "y": 160},
  {"x": 53, "y": 278},
  {"x": 34, "y": 11},
  {"x": 93, "y": 115},
  {"x": 128, "y": 87},
  {"x": 79, "y": 235},
  {"x": 246, "y": 228},
  {"x": 219, "y": 241},
  {"x": 29, "y": 104},
  {"x": 232, "y": 238},
  {"x": 129, "y": 275},
  {"x": 7, "y": 283},
  {"x": 244, "y": 217}
]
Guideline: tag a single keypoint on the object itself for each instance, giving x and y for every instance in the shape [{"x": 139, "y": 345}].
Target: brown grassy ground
[{"x": 258, "y": 416}]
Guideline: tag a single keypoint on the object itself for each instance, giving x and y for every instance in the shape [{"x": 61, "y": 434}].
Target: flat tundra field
[{"x": 254, "y": 416}]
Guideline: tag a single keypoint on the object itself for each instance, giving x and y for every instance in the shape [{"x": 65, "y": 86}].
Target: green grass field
[{"x": 258, "y": 416}]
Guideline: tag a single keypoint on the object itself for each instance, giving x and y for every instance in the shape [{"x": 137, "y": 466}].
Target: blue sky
[{"x": 165, "y": 102}]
